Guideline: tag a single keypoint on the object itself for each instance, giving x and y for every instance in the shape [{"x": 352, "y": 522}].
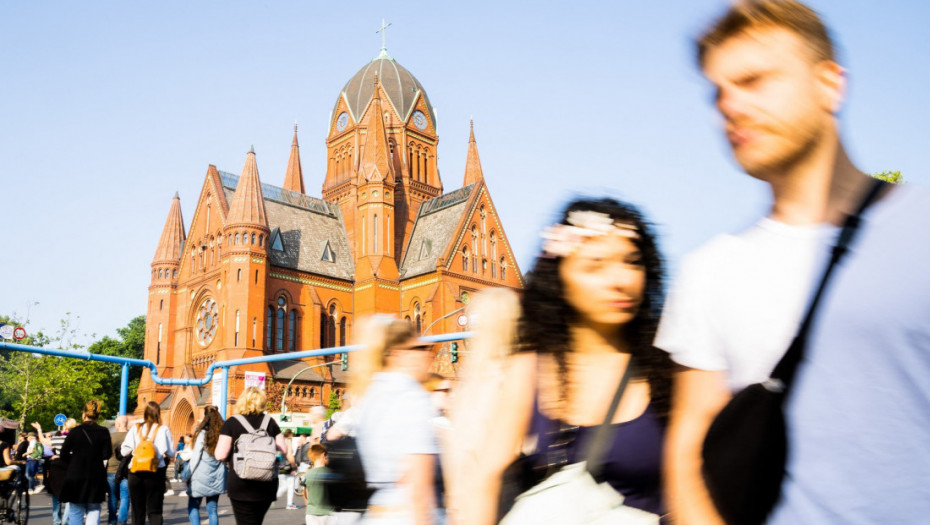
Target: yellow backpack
[{"x": 144, "y": 456}]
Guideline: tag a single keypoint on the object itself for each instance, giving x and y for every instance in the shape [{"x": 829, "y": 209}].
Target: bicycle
[{"x": 14, "y": 497}]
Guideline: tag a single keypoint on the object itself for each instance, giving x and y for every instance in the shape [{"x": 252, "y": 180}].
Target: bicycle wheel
[{"x": 19, "y": 505}]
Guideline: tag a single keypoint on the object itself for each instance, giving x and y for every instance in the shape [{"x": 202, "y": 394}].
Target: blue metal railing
[{"x": 224, "y": 366}]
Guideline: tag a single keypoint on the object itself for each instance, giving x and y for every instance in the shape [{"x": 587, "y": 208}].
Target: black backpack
[{"x": 346, "y": 485}]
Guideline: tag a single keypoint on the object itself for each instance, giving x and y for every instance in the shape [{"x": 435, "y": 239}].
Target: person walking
[
  {"x": 856, "y": 408},
  {"x": 118, "y": 496},
  {"x": 34, "y": 453},
  {"x": 147, "y": 483},
  {"x": 396, "y": 439},
  {"x": 85, "y": 452},
  {"x": 250, "y": 498},
  {"x": 319, "y": 508},
  {"x": 287, "y": 471},
  {"x": 207, "y": 475}
]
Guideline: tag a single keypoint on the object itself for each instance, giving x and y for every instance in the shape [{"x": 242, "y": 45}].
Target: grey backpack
[{"x": 256, "y": 453}]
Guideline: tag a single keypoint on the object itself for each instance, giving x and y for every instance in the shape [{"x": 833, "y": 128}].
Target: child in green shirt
[{"x": 318, "y": 507}]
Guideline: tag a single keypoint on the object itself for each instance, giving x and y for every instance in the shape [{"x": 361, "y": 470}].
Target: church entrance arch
[{"x": 181, "y": 420}]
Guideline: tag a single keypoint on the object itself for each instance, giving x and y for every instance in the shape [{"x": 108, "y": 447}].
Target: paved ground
[{"x": 175, "y": 511}]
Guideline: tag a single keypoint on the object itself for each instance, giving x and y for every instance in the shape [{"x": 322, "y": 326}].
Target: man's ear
[{"x": 831, "y": 80}]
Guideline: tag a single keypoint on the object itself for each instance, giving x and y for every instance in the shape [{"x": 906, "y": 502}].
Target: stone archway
[{"x": 182, "y": 419}]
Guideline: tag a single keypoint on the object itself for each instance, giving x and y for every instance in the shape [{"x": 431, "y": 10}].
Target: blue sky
[{"x": 108, "y": 108}]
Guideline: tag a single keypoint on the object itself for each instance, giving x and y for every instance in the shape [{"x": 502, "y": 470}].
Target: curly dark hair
[
  {"x": 212, "y": 423},
  {"x": 544, "y": 325}
]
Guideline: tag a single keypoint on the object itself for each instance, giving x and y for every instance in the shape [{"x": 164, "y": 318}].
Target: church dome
[{"x": 399, "y": 84}]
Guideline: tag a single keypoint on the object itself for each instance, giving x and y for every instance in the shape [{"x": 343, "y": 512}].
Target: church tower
[
  {"x": 246, "y": 232},
  {"x": 405, "y": 134}
]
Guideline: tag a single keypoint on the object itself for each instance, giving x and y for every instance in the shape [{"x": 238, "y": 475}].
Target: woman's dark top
[
  {"x": 248, "y": 489},
  {"x": 84, "y": 451},
  {"x": 3, "y": 446},
  {"x": 632, "y": 463}
]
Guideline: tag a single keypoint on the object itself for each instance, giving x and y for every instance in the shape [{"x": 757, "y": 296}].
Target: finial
[
  {"x": 471, "y": 129},
  {"x": 381, "y": 30},
  {"x": 295, "y": 125},
  {"x": 252, "y": 149},
  {"x": 176, "y": 195}
]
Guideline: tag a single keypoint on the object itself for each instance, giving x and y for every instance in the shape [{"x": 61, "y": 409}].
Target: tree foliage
[
  {"x": 334, "y": 405},
  {"x": 893, "y": 177},
  {"x": 36, "y": 387}
]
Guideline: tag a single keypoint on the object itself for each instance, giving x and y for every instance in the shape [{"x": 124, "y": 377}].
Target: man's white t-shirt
[{"x": 737, "y": 301}]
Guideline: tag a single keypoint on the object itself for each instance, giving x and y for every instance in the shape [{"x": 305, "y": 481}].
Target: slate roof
[
  {"x": 288, "y": 369},
  {"x": 305, "y": 224},
  {"x": 433, "y": 231}
]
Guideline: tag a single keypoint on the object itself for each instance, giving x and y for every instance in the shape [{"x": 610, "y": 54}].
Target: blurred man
[{"x": 857, "y": 412}]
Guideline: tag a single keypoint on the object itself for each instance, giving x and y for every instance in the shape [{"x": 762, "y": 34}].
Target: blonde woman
[
  {"x": 396, "y": 438},
  {"x": 250, "y": 498}
]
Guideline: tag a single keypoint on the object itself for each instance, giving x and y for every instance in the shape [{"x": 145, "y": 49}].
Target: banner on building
[{"x": 256, "y": 379}]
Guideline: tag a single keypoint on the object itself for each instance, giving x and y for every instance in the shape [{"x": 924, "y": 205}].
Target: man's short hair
[
  {"x": 316, "y": 452},
  {"x": 746, "y": 15}
]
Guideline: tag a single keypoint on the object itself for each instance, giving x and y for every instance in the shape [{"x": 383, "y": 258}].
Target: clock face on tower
[
  {"x": 342, "y": 121},
  {"x": 419, "y": 119}
]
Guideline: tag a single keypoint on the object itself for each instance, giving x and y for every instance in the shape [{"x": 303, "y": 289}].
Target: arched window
[
  {"x": 464, "y": 258},
  {"x": 331, "y": 325},
  {"x": 254, "y": 330},
  {"x": 417, "y": 318},
  {"x": 174, "y": 273},
  {"x": 279, "y": 339},
  {"x": 158, "y": 346},
  {"x": 342, "y": 332},
  {"x": 161, "y": 304},
  {"x": 236, "y": 339},
  {"x": 261, "y": 239},
  {"x": 292, "y": 330},
  {"x": 324, "y": 325},
  {"x": 253, "y": 238},
  {"x": 474, "y": 249},
  {"x": 237, "y": 238},
  {"x": 269, "y": 328},
  {"x": 238, "y": 275},
  {"x": 503, "y": 269},
  {"x": 425, "y": 164},
  {"x": 159, "y": 273}
]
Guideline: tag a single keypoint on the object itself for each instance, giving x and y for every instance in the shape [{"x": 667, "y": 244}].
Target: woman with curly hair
[
  {"x": 589, "y": 312},
  {"x": 207, "y": 475}
]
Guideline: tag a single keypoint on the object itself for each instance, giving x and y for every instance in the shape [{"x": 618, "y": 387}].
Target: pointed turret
[
  {"x": 473, "y": 171},
  {"x": 172, "y": 236},
  {"x": 376, "y": 161},
  {"x": 248, "y": 204},
  {"x": 294, "y": 178}
]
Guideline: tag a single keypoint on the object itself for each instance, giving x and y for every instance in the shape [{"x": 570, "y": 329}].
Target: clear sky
[{"x": 108, "y": 108}]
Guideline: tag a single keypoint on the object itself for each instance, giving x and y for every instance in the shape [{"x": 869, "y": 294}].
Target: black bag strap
[
  {"x": 784, "y": 372},
  {"x": 595, "y": 458}
]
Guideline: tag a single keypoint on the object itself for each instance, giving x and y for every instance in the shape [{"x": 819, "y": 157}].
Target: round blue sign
[{"x": 60, "y": 419}]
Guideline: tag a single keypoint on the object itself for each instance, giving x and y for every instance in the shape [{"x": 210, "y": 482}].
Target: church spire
[
  {"x": 376, "y": 161},
  {"x": 248, "y": 204},
  {"x": 294, "y": 178},
  {"x": 172, "y": 236},
  {"x": 473, "y": 172}
]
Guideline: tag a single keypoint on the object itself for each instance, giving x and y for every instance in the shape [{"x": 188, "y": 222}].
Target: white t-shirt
[
  {"x": 737, "y": 301},
  {"x": 162, "y": 441}
]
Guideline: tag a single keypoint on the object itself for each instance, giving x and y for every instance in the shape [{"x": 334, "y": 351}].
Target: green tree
[
  {"x": 334, "y": 404},
  {"x": 893, "y": 177},
  {"x": 130, "y": 343},
  {"x": 36, "y": 387}
]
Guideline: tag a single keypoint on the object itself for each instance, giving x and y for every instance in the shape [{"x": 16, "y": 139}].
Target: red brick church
[{"x": 265, "y": 269}]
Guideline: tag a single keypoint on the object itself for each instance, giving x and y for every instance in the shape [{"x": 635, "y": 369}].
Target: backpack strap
[
  {"x": 265, "y": 421},
  {"x": 245, "y": 423}
]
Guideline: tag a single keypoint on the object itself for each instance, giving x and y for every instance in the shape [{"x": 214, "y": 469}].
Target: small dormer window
[
  {"x": 328, "y": 254},
  {"x": 276, "y": 243},
  {"x": 425, "y": 249}
]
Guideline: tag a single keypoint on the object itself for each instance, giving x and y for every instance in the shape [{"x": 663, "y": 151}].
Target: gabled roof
[
  {"x": 434, "y": 229},
  {"x": 305, "y": 224}
]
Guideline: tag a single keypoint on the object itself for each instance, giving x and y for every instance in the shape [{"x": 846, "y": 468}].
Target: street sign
[
  {"x": 462, "y": 320},
  {"x": 19, "y": 333},
  {"x": 256, "y": 379},
  {"x": 6, "y": 331},
  {"x": 60, "y": 419}
]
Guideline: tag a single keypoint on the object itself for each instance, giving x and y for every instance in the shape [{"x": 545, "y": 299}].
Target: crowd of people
[{"x": 590, "y": 397}]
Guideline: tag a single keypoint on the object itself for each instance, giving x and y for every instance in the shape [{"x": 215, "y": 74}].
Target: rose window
[{"x": 206, "y": 322}]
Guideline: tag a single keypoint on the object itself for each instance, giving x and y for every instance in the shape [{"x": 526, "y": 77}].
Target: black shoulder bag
[{"x": 745, "y": 449}]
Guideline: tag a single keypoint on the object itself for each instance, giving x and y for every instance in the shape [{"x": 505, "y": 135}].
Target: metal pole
[
  {"x": 224, "y": 382},
  {"x": 450, "y": 314},
  {"x": 123, "y": 389}
]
